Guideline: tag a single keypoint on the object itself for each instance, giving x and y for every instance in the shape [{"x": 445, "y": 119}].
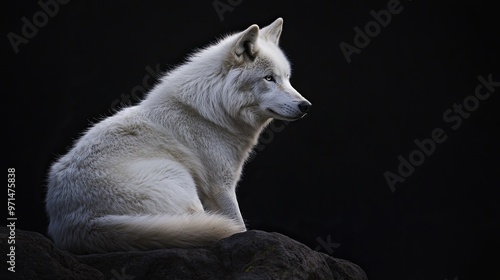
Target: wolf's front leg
[{"x": 226, "y": 204}]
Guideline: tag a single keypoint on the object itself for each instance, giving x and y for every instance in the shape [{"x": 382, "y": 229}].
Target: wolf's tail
[{"x": 148, "y": 232}]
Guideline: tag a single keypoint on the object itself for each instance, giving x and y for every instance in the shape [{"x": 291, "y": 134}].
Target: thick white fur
[{"x": 163, "y": 173}]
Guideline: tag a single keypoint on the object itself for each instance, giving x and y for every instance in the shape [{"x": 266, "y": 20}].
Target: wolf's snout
[{"x": 304, "y": 106}]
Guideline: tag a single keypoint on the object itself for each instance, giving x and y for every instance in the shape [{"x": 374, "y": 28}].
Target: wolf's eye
[{"x": 269, "y": 78}]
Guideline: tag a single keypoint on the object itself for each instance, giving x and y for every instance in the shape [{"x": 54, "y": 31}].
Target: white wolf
[{"x": 163, "y": 173}]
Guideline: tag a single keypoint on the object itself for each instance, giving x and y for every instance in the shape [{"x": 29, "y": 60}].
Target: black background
[{"x": 320, "y": 179}]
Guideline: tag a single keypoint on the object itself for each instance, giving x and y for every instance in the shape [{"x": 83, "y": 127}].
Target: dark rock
[
  {"x": 37, "y": 258},
  {"x": 250, "y": 255}
]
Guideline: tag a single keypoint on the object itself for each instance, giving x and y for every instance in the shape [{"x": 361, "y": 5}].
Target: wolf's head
[
  {"x": 242, "y": 80},
  {"x": 260, "y": 71}
]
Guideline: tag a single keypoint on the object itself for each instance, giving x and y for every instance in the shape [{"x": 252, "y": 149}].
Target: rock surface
[
  {"x": 36, "y": 258},
  {"x": 250, "y": 255}
]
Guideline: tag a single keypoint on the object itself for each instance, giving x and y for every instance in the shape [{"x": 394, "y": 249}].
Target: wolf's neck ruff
[{"x": 217, "y": 90}]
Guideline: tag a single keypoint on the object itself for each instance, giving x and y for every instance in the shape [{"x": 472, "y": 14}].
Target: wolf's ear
[
  {"x": 246, "y": 45},
  {"x": 272, "y": 32}
]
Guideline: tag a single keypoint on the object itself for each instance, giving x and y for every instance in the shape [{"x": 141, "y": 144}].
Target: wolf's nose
[{"x": 305, "y": 106}]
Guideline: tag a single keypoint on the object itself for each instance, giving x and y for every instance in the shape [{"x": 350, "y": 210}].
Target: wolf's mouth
[{"x": 284, "y": 118}]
